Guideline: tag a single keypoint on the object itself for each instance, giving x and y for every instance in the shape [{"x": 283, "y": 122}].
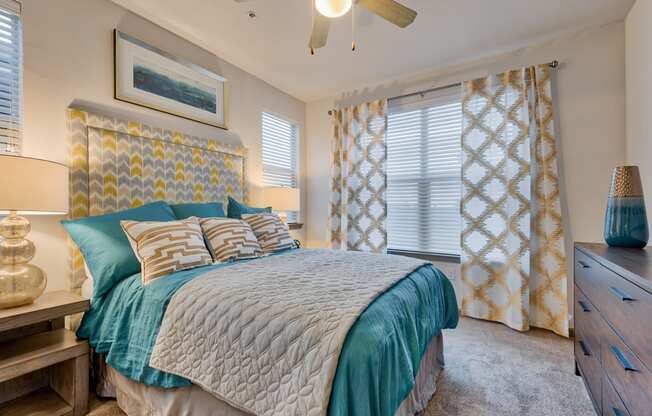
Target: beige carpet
[{"x": 492, "y": 370}]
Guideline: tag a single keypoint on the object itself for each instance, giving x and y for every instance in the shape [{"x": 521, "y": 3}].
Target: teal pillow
[
  {"x": 205, "y": 210},
  {"x": 236, "y": 209},
  {"x": 105, "y": 246}
]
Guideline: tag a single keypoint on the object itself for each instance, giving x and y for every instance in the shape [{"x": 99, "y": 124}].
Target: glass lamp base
[
  {"x": 20, "y": 285},
  {"x": 20, "y": 282}
]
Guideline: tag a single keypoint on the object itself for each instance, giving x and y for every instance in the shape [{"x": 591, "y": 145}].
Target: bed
[{"x": 335, "y": 333}]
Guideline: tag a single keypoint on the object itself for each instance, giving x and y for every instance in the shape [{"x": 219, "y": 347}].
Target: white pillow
[
  {"x": 166, "y": 247},
  {"x": 272, "y": 233},
  {"x": 230, "y": 238}
]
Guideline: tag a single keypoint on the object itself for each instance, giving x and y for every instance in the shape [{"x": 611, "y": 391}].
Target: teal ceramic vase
[{"x": 625, "y": 222}]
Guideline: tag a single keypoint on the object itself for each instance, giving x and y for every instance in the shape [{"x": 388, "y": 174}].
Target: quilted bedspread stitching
[{"x": 265, "y": 336}]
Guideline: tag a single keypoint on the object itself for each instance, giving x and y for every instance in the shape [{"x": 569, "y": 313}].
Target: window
[
  {"x": 424, "y": 173},
  {"x": 280, "y": 139},
  {"x": 11, "y": 56}
]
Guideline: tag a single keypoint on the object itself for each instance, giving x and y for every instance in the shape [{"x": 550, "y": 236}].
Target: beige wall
[
  {"x": 590, "y": 90},
  {"x": 68, "y": 58},
  {"x": 639, "y": 92}
]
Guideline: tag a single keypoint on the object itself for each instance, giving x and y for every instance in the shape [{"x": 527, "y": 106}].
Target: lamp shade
[
  {"x": 33, "y": 186},
  {"x": 282, "y": 198}
]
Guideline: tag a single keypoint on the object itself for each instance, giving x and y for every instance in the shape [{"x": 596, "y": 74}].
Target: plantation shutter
[
  {"x": 280, "y": 139},
  {"x": 424, "y": 173},
  {"x": 10, "y": 76}
]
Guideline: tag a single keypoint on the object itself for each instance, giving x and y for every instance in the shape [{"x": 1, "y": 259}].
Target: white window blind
[
  {"x": 424, "y": 173},
  {"x": 280, "y": 149},
  {"x": 11, "y": 67}
]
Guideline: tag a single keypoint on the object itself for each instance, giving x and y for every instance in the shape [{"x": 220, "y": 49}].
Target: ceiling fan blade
[
  {"x": 390, "y": 10},
  {"x": 319, "y": 35}
]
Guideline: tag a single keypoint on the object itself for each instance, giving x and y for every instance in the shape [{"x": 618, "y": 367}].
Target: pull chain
[
  {"x": 353, "y": 26},
  {"x": 312, "y": 17}
]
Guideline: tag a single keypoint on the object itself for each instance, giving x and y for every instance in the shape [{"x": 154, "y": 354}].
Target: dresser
[{"x": 613, "y": 327}]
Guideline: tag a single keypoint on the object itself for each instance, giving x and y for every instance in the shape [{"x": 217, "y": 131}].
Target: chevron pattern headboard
[{"x": 118, "y": 164}]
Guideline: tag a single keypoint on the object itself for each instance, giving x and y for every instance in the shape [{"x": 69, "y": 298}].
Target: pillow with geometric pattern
[
  {"x": 272, "y": 233},
  {"x": 228, "y": 237},
  {"x": 166, "y": 247}
]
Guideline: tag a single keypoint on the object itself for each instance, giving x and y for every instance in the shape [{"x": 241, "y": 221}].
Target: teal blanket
[{"x": 377, "y": 366}]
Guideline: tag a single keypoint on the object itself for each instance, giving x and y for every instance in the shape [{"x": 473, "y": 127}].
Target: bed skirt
[{"x": 137, "y": 399}]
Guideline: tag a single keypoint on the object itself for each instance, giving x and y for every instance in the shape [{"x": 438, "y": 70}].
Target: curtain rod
[{"x": 553, "y": 64}]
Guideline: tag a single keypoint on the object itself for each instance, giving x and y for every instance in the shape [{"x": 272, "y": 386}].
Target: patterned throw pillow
[
  {"x": 229, "y": 237},
  {"x": 272, "y": 234},
  {"x": 166, "y": 247}
]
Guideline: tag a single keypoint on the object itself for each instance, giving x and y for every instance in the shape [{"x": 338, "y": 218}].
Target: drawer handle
[
  {"x": 627, "y": 366},
  {"x": 617, "y": 412},
  {"x": 583, "y": 264},
  {"x": 583, "y": 306},
  {"x": 585, "y": 349},
  {"x": 621, "y": 295}
]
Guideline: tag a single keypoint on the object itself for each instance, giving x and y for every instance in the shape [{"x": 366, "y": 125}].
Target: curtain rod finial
[{"x": 554, "y": 64}]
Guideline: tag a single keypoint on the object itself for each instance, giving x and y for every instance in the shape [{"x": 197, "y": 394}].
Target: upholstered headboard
[{"x": 118, "y": 164}]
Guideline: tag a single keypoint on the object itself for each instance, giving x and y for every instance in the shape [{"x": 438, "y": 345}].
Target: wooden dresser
[{"x": 613, "y": 327}]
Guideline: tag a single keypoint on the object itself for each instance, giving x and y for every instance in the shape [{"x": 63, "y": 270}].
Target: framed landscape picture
[{"x": 149, "y": 77}]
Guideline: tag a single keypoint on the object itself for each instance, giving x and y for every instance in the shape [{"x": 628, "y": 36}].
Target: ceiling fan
[{"x": 389, "y": 10}]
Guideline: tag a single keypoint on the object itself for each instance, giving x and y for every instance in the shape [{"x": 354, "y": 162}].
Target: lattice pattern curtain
[
  {"x": 513, "y": 257},
  {"x": 359, "y": 179}
]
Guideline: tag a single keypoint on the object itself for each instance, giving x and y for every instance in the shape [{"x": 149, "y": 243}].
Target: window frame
[
  {"x": 16, "y": 117},
  {"x": 440, "y": 96},
  {"x": 294, "y": 217}
]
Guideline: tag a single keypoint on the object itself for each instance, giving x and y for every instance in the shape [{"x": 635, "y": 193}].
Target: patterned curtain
[
  {"x": 359, "y": 179},
  {"x": 513, "y": 257}
]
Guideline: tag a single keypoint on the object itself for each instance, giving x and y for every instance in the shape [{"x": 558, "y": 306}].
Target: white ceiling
[{"x": 273, "y": 45}]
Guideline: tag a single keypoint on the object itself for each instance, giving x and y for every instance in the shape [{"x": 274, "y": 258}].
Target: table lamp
[
  {"x": 29, "y": 187},
  {"x": 282, "y": 199}
]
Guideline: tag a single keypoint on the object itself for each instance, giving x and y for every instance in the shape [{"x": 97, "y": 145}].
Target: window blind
[
  {"x": 424, "y": 173},
  {"x": 280, "y": 139},
  {"x": 11, "y": 56}
]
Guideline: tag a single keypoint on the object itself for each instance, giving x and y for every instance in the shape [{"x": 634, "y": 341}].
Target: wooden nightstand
[{"x": 43, "y": 367}]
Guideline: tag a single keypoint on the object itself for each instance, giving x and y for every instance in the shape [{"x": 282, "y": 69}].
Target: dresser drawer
[
  {"x": 589, "y": 367},
  {"x": 612, "y": 405},
  {"x": 587, "y": 276},
  {"x": 630, "y": 378},
  {"x": 588, "y": 322},
  {"x": 624, "y": 305}
]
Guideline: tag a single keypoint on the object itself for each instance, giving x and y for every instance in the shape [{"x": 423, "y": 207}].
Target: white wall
[
  {"x": 590, "y": 89},
  {"x": 68, "y": 57},
  {"x": 639, "y": 92}
]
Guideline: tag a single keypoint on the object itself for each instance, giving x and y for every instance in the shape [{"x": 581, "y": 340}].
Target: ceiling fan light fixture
[{"x": 333, "y": 8}]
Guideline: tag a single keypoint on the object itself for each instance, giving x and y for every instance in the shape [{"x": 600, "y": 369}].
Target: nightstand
[{"x": 43, "y": 366}]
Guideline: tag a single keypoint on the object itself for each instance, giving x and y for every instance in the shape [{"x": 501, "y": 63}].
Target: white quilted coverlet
[{"x": 265, "y": 336}]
